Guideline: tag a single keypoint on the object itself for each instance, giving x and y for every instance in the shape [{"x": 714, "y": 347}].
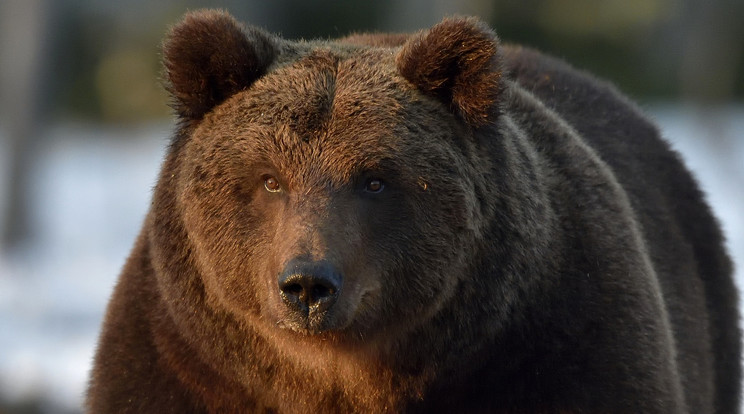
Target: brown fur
[
  {"x": 377, "y": 39},
  {"x": 450, "y": 60},
  {"x": 209, "y": 58},
  {"x": 504, "y": 267}
]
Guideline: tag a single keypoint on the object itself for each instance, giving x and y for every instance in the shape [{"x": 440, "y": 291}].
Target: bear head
[{"x": 324, "y": 188}]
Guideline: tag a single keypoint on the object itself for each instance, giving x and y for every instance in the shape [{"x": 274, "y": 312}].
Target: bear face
[
  {"x": 352, "y": 192},
  {"x": 307, "y": 194}
]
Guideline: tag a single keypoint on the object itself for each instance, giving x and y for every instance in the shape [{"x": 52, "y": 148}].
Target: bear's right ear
[
  {"x": 208, "y": 57},
  {"x": 458, "y": 62}
]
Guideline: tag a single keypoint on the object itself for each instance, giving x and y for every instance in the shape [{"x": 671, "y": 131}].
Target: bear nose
[{"x": 309, "y": 287}]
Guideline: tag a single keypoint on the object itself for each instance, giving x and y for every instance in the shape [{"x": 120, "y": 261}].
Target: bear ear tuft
[
  {"x": 456, "y": 61},
  {"x": 208, "y": 57}
]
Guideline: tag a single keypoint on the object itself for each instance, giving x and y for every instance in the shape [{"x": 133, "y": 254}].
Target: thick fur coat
[{"x": 424, "y": 223}]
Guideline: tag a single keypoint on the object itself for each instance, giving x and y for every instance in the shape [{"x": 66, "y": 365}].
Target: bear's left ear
[
  {"x": 209, "y": 56},
  {"x": 457, "y": 62}
]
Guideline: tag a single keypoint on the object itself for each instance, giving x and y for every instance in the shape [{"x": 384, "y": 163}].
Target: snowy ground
[{"x": 90, "y": 193}]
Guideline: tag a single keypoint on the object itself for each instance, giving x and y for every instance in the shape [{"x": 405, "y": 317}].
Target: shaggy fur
[
  {"x": 449, "y": 60},
  {"x": 208, "y": 58},
  {"x": 492, "y": 230}
]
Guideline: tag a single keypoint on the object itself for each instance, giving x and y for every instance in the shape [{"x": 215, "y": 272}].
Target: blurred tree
[
  {"x": 23, "y": 25},
  {"x": 408, "y": 15},
  {"x": 712, "y": 50}
]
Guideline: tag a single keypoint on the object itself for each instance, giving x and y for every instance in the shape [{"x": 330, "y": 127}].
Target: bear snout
[{"x": 309, "y": 289}]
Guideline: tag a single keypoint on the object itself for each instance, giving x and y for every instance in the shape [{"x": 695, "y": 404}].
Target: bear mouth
[
  {"x": 351, "y": 316},
  {"x": 309, "y": 322},
  {"x": 315, "y": 320}
]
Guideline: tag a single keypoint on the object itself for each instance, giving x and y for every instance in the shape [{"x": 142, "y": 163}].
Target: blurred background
[{"x": 84, "y": 122}]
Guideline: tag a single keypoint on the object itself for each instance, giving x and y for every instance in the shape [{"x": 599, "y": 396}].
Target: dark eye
[
  {"x": 374, "y": 185},
  {"x": 272, "y": 184}
]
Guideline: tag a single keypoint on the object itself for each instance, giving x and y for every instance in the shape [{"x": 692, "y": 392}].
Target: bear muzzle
[{"x": 309, "y": 290}]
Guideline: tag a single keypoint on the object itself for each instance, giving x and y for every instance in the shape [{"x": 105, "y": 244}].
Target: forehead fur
[{"x": 339, "y": 112}]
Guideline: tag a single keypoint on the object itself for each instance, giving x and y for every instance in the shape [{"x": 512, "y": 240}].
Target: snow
[
  {"x": 718, "y": 168},
  {"x": 91, "y": 189},
  {"x": 90, "y": 193}
]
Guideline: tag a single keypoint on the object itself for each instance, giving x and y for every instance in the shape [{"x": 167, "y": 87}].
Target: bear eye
[
  {"x": 272, "y": 184},
  {"x": 374, "y": 185}
]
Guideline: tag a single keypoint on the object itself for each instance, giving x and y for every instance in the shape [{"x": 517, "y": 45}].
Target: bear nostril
[
  {"x": 293, "y": 289},
  {"x": 306, "y": 286},
  {"x": 320, "y": 291},
  {"x": 309, "y": 290}
]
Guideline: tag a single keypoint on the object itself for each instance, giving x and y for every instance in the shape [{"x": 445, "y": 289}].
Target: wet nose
[{"x": 309, "y": 286}]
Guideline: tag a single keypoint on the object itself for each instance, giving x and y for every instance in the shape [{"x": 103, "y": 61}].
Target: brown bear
[{"x": 424, "y": 223}]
